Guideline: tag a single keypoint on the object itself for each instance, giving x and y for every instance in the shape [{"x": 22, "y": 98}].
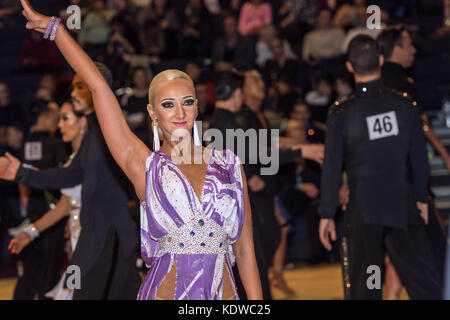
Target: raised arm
[{"x": 128, "y": 151}]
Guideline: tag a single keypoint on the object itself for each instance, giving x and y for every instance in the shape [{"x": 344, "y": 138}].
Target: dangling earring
[
  {"x": 196, "y": 136},
  {"x": 156, "y": 144}
]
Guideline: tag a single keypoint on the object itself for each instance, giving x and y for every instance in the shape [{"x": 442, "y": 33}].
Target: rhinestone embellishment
[{"x": 199, "y": 235}]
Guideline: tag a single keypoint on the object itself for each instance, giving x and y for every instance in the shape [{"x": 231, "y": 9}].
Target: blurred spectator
[
  {"x": 117, "y": 47},
  {"x": 254, "y": 15},
  {"x": 158, "y": 27},
  {"x": 265, "y": 35},
  {"x": 14, "y": 137},
  {"x": 285, "y": 95},
  {"x": 95, "y": 29},
  {"x": 293, "y": 12},
  {"x": 398, "y": 50},
  {"x": 344, "y": 86},
  {"x": 9, "y": 112},
  {"x": 320, "y": 98},
  {"x": 295, "y": 19},
  {"x": 47, "y": 88},
  {"x": 301, "y": 188},
  {"x": 232, "y": 6},
  {"x": 349, "y": 14},
  {"x": 10, "y": 208},
  {"x": 263, "y": 46},
  {"x": 134, "y": 103},
  {"x": 281, "y": 64},
  {"x": 205, "y": 105},
  {"x": 300, "y": 112},
  {"x": 360, "y": 28},
  {"x": 160, "y": 11},
  {"x": 213, "y": 6},
  {"x": 193, "y": 70},
  {"x": 8, "y": 8},
  {"x": 228, "y": 51},
  {"x": 196, "y": 32},
  {"x": 323, "y": 42},
  {"x": 39, "y": 54}
]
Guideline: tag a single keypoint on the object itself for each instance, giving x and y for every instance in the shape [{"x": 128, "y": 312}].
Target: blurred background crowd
[{"x": 295, "y": 49}]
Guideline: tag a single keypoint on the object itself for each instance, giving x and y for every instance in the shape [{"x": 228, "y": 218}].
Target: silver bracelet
[{"x": 32, "y": 231}]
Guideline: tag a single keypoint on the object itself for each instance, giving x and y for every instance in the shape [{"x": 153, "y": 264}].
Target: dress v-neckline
[{"x": 199, "y": 200}]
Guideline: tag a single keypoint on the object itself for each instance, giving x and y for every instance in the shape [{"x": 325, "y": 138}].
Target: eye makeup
[{"x": 169, "y": 103}]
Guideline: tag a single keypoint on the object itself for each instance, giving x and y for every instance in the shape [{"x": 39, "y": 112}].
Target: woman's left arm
[{"x": 245, "y": 252}]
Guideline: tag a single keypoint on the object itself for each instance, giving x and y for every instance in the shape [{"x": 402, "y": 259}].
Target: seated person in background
[
  {"x": 134, "y": 102},
  {"x": 301, "y": 112},
  {"x": 347, "y": 14},
  {"x": 9, "y": 112},
  {"x": 226, "y": 48},
  {"x": 360, "y": 28},
  {"x": 7, "y": 11},
  {"x": 38, "y": 53},
  {"x": 323, "y": 42},
  {"x": 320, "y": 98},
  {"x": 280, "y": 63},
  {"x": 95, "y": 29},
  {"x": 205, "y": 107},
  {"x": 300, "y": 191},
  {"x": 254, "y": 15},
  {"x": 284, "y": 95}
]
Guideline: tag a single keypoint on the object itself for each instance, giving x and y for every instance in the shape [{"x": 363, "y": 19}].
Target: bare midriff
[{"x": 167, "y": 289}]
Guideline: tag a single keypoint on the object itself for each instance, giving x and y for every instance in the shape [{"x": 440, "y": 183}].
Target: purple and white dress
[{"x": 178, "y": 228}]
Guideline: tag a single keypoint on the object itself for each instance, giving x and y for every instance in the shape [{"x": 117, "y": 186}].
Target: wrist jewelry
[
  {"x": 32, "y": 231},
  {"x": 55, "y": 28},
  {"x": 49, "y": 27}
]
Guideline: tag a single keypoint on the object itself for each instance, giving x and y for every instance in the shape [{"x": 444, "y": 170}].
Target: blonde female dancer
[{"x": 196, "y": 220}]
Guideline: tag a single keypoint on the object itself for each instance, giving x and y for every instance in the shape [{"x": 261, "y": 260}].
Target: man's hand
[
  {"x": 256, "y": 184},
  {"x": 313, "y": 152},
  {"x": 9, "y": 166},
  {"x": 327, "y": 230},
  {"x": 344, "y": 195},
  {"x": 423, "y": 207},
  {"x": 309, "y": 189}
]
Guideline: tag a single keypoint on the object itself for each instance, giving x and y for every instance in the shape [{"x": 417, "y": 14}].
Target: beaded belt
[{"x": 199, "y": 235}]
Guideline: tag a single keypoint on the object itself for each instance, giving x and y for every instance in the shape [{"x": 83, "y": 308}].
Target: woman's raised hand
[{"x": 36, "y": 21}]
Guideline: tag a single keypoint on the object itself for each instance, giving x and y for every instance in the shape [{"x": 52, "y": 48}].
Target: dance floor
[{"x": 322, "y": 282}]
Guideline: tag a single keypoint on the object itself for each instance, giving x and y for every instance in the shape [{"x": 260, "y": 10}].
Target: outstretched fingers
[{"x": 27, "y": 6}]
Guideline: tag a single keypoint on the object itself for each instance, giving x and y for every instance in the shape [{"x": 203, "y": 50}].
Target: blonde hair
[{"x": 164, "y": 76}]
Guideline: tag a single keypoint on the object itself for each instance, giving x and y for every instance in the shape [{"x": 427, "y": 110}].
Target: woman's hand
[
  {"x": 36, "y": 21},
  {"x": 19, "y": 242}
]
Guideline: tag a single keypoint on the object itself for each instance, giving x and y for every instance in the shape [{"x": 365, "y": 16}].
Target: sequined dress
[
  {"x": 190, "y": 234},
  {"x": 74, "y": 196}
]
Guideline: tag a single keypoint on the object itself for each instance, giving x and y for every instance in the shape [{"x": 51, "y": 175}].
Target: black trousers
[
  {"x": 113, "y": 276},
  {"x": 409, "y": 251}
]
